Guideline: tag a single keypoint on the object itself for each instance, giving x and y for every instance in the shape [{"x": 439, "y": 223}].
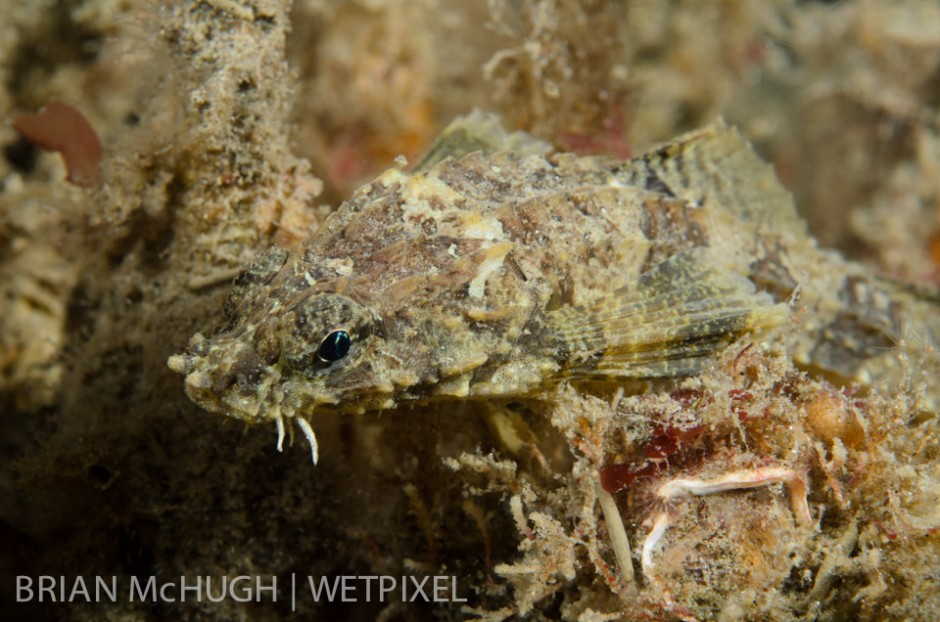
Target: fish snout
[{"x": 221, "y": 376}]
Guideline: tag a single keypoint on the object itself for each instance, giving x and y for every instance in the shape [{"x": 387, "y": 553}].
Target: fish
[{"x": 497, "y": 269}]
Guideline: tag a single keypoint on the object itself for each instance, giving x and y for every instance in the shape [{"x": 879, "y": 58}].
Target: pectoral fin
[{"x": 666, "y": 325}]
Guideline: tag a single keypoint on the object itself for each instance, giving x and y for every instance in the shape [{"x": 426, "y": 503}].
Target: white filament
[
  {"x": 279, "y": 420},
  {"x": 311, "y": 437}
]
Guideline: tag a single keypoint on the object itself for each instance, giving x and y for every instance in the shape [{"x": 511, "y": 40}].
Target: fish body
[{"x": 499, "y": 272}]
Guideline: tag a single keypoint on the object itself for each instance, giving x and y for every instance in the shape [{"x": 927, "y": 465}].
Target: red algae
[{"x": 61, "y": 127}]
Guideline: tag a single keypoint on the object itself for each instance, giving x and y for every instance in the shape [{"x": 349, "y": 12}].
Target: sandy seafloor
[{"x": 229, "y": 126}]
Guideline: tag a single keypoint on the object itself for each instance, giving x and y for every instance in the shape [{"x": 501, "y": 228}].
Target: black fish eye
[{"x": 334, "y": 346}]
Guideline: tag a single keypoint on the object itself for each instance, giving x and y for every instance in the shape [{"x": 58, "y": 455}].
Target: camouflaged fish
[{"x": 495, "y": 270}]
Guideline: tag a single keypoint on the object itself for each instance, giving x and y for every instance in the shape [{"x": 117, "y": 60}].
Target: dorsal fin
[
  {"x": 716, "y": 165},
  {"x": 479, "y": 131}
]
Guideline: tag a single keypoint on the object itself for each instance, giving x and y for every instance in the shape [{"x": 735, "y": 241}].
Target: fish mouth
[
  {"x": 181, "y": 363},
  {"x": 223, "y": 375},
  {"x": 205, "y": 391},
  {"x": 188, "y": 364},
  {"x": 197, "y": 382}
]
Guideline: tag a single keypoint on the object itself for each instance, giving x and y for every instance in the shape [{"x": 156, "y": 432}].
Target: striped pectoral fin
[{"x": 666, "y": 325}]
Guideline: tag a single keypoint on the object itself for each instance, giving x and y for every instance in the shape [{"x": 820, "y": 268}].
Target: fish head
[
  {"x": 288, "y": 350},
  {"x": 402, "y": 296}
]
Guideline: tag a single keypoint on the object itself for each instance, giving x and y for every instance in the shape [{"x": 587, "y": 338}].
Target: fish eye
[
  {"x": 334, "y": 346},
  {"x": 323, "y": 334}
]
